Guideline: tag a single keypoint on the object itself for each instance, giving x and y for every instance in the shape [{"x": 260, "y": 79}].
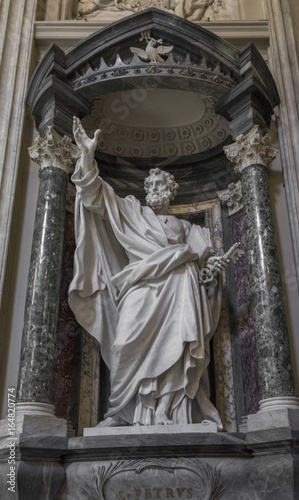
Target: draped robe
[{"x": 135, "y": 288}]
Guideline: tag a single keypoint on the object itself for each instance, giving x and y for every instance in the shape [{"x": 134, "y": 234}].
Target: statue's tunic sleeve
[
  {"x": 89, "y": 189},
  {"x": 98, "y": 256}
]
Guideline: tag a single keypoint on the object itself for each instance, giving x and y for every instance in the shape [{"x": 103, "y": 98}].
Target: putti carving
[
  {"x": 232, "y": 197},
  {"x": 251, "y": 149},
  {"x": 152, "y": 52},
  {"x": 194, "y": 10},
  {"x": 52, "y": 150}
]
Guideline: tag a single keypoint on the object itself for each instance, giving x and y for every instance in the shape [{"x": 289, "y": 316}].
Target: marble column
[
  {"x": 252, "y": 154},
  {"x": 56, "y": 156}
]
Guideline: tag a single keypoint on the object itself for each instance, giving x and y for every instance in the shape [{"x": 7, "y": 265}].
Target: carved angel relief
[
  {"x": 193, "y": 10},
  {"x": 152, "y": 52}
]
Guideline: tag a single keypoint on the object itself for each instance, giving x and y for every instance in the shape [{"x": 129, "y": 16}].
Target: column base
[
  {"x": 34, "y": 419},
  {"x": 275, "y": 413},
  {"x": 243, "y": 425},
  {"x": 291, "y": 402}
]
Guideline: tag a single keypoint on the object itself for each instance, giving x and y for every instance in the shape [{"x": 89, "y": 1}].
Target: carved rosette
[
  {"x": 52, "y": 150},
  {"x": 251, "y": 149},
  {"x": 232, "y": 197}
]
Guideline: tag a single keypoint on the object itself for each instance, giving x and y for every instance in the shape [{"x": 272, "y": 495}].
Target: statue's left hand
[{"x": 216, "y": 263}]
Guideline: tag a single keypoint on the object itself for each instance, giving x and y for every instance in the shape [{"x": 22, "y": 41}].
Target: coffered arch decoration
[{"x": 178, "y": 110}]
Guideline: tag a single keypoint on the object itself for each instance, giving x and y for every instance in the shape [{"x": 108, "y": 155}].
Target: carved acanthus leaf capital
[
  {"x": 52, "y": 150},
  {"x": 232, "y": 197},
  {"x": 251, "y": 149}
]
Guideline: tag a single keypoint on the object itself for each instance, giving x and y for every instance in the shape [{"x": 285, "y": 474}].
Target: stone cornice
[
  {"x": 251, "y": 149},
  {"x": 68, "y": 32}
]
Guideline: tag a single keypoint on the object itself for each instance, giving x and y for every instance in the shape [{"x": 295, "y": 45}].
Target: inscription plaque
[{"x": 148, "y": 479}]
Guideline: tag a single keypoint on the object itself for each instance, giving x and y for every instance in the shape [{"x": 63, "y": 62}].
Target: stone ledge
[
  {"x": 273, "y": 419},
  {"x": 35, "y": 448},
  {"x": 150, "y": 445},
  {"x": 145, "y": 430},
  {"x": 186, "y": 444}
]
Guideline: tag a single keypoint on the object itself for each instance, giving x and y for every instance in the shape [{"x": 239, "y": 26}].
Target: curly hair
[{"x": 172, "y": 185}]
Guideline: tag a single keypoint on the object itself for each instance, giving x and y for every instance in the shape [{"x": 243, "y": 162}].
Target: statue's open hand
[{"x": 86, "y": 145}]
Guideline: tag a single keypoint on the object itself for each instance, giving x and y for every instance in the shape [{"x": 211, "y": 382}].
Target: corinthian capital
[
  {"x": 232, "y": 197},
  {"x": 251, "y": 149},
  {"x": 52, "y": 150}
]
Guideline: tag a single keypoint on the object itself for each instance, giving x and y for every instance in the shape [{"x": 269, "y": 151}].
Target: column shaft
[
  {"x": 38, "y": 342},
  {"x": 273, "y": 352},
  {"x": 56, "y": 156},
  {"x": 252, "y": 154}
]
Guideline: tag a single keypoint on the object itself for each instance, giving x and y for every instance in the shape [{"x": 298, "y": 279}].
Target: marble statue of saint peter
[{"x": 136, "y": 289}]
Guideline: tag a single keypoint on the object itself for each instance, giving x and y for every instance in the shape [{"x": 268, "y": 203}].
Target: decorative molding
[
  {"x": 67, "y": 33},
  {"x": 52, "y": 150},
  {"x": 251, "y": 149},
  {"x": 232, "y": 197},
  {"x": 203, "y": 71}
]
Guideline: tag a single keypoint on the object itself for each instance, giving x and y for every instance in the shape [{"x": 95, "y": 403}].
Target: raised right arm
[
  {"x": 86, "y": 145},
  {"x": 86, "y": 175}
]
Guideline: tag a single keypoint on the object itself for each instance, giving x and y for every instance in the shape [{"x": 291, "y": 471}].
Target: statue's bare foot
[
  {"x": 111, "y": 422},
  {"x": 161, "y": 419}
]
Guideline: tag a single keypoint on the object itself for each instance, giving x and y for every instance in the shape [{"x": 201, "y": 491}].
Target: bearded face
[
  {"x": 160, "y": 188},
  {"x": 157, "y": 200}
]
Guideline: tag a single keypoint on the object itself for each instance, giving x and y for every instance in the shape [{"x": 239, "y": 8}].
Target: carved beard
[{"x": 157, "y": 200}]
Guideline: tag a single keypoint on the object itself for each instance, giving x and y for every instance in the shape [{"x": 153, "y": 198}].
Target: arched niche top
[
  {"x": 65, "y": 84},
  {"x": 187, "y": 107}
]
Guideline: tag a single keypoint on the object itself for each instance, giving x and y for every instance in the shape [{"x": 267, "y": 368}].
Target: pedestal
[{"x": 181, "y": 465}]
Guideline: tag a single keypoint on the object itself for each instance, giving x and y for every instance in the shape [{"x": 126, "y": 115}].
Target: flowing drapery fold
[{"x": 136, "y": 289}]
